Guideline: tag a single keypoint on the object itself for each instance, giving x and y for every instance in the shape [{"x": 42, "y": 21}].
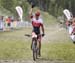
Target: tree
[{"x": 7, "y": 4}]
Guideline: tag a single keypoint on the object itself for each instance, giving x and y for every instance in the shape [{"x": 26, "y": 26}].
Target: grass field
[{"x": 15, "y": 45}]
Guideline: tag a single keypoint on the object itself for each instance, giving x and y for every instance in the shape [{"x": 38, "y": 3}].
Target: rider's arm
[
  {"x": 30, "y": 13},
  {"x": 73, "y": 31},
  {"x": 42, "y": 26},
  {"x": 31, "y": 10}
]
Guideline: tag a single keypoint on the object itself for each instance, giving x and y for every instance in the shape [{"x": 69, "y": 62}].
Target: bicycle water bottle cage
[{"x": 34, "y": 35}]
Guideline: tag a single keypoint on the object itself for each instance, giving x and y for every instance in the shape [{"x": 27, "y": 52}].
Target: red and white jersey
[{"x": 35, "y": 22}]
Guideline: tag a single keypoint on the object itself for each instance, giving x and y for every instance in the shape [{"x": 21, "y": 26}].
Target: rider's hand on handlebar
[{"x": 43, "y": 35}]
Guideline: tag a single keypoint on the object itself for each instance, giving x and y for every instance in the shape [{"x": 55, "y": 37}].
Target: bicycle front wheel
[{"x": 34, "y": 48}]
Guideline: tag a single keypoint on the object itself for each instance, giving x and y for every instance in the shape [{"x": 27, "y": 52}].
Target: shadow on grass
[{"x": 27, "y": 35}]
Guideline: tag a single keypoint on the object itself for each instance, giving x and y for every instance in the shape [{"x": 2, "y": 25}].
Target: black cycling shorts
[{"x": 36, "y": 30}]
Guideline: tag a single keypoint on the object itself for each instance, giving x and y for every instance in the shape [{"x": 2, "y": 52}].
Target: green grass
[
  {"x": 59, "y": 51},
  {"x": 15, "y": 50},
  {"x": 14, "y": 45}
]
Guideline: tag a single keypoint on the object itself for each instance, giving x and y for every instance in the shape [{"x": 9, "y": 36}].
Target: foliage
[{"x": 54, "y": 7}]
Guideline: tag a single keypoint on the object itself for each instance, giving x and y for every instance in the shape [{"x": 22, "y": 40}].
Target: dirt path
[
  {"x": 37, "y": 61},
  {"x": 31, "y": 61}
]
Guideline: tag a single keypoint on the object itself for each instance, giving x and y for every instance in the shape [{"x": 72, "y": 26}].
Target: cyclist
[
  {"x": 73, "y": 30},
  {"x": 37, "y": 22}
]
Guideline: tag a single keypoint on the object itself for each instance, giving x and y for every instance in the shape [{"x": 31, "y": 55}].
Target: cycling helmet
[{"x": 37, "y": 13}]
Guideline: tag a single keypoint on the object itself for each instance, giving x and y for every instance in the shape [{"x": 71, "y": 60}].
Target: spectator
[
  {"x": 1, "y": 23},
  {"x": 8, "y": 21}
]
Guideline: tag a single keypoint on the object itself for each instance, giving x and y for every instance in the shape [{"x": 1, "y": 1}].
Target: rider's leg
[
  {"x": 39, "y": 48},
  {"x": 31, "y": 44},
  {"x": 39, "y": 45},
  {"x": 32, "y": 39}
]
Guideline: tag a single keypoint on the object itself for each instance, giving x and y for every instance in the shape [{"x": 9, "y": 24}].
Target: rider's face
[{"x": 37, "y": 17}]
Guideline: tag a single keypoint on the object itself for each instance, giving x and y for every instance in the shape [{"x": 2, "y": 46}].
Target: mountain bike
[{"x": 35, "y": 47}]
